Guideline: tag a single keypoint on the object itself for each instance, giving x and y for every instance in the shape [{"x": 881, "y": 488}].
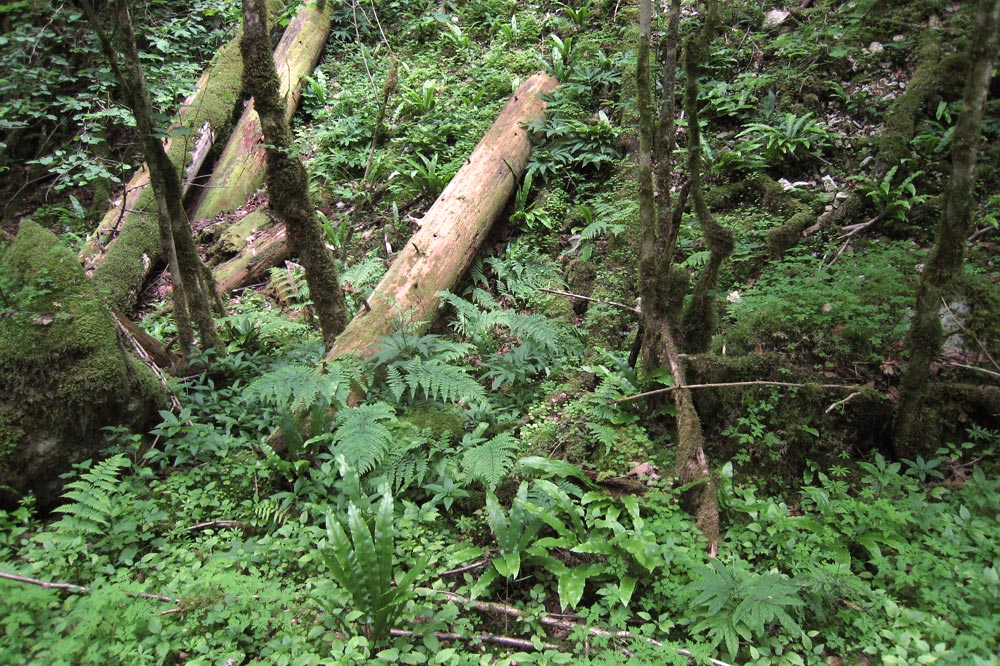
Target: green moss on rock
[{"x": 63, "y": 373}]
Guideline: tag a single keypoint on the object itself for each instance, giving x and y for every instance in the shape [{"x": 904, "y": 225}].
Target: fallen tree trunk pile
[
  {"x": 126, "y": 265},
  {"x": 452, "y": 230},
  {"x": 239, "y": 170}
]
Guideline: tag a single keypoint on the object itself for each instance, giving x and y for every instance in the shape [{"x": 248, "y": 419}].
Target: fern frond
[
  {"x": 491, "y": 461},
  {"x": 362, "y": 436},
  {"x": 405, "y": 465},
  {"x": 297, "y": 388},
  {"x": 269, "y": 514},
  {"x": 440, "y": 381},
  {"x": 92, "y": 498}
]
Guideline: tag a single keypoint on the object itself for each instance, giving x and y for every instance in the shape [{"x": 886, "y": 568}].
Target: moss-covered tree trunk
[
  {"x": 287, "y": 180},
  {"x": 947, "y": 259},
  {"x": 657, "y": 236},
  {"x": 193, "y": 288},
  {"x": 450, "y": 233},
  {"x": 699, "y": 316}
]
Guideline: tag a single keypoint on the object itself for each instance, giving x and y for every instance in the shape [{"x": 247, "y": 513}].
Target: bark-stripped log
[
  {"x": 452, "y": 230},
  {"x": 267, "y": 249},
  {"x": 240, "y": 169}
]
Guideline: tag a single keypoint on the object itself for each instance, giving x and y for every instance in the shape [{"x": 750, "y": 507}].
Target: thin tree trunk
[
  {"x": 700, "y": 317},
  {"x": 287, "y": 180},
  {"x": 192, "y": 287},
  {"x": 656, "y": 219},
  {"x": 452, "y": 230},
  {"x": 947, "y": 260}
]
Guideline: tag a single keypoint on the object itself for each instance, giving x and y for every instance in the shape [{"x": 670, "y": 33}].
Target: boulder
[{"x": 64, "y": 372}]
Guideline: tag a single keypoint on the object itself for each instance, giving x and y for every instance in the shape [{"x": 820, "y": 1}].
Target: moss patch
[{"x": 63, "y": 373}]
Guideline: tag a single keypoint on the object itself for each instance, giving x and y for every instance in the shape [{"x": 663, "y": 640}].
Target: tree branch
[
  {"x": 668, "y": 389},
  {"x": 551, "y": 621},
  {"x": 79, "y": 589}
]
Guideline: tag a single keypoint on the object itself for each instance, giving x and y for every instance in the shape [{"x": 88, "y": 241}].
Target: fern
[
  {"x": 92, "y": 498},
  {"x": 297, "y": 388},
  {"x": 402, "y": 345},
  {"x": 362, "y": 436},
  {"x": 439, "y": 381},
  {"x": 735, "y": 603},
  {"x": 289, "y": 286},
  {"x": 405, "y": 465},
  {"x": 360, "y": 278},
  {"x": 268, "y": 514},
  {"x": 492, "y": 460}
]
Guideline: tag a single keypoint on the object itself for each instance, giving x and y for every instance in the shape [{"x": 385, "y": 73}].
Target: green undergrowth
[{"x": 358, "y": 514}]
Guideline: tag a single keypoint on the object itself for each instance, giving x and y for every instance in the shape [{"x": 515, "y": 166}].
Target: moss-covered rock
[{"x": 63, "y": 373}]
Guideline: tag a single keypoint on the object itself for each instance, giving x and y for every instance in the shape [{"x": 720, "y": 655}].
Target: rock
[
  {"x": 64, "y": 374},
  {"x": 775, "y": 17}
]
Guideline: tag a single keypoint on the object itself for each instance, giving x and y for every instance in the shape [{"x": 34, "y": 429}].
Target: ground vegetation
[{"x": 503, "y": 482}]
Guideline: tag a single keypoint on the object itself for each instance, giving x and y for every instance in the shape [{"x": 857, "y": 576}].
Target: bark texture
[
  {"x": 452, "y": 230},
  {"x": 287, "y": 180},
  {"x": 948, "y": 256}
]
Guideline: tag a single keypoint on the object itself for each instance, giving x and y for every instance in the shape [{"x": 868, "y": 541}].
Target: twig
[
  {"x": 630, "y": 308},
  {"x": 839, "y": 403},
  {"x": 215, "y": 523},
  {"x": 467, "y": 567},
  {"x": 668, "y": 389},
  {"x": 979, "y": 233},
  {"x": 972, "y": 367},
  {"x": 852, "y": 230},
  {"x": 550, "y": 621},
  {"x": 966, "y": 331},
  {"x": 79, "y": 589},
  {"x": 519, "y": 643}
]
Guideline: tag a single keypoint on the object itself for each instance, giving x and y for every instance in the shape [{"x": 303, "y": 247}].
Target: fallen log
[
  {"x": 452, "y": 230},
  {"x": 239, "y": 170},
  {"x": 266, "y": 249},
  {"x": 130, "y": 258}
]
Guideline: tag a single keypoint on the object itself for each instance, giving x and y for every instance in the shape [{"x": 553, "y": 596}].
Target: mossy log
[
  {"x": 239, "y": 170},
  {"x": 64, "y": 374},
  {"x": 452, "y": 230},
  {"x": 266, "y": 248}
]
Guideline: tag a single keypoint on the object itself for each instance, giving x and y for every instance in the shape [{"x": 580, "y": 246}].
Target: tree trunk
[
  {"x": 287, "y": 180},
  {"x": 192, "y": 283},
  {"x": 239, "y": 170},
  {"x": 657, "y": 235},
  {"x": 948, "y": 257},
  {"x": 700, "y": 316},
  {"x": 452, "y": 230}
]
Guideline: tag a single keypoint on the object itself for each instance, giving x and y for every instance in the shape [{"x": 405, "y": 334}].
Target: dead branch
[
  {"x": 467, "y": 567},
  {"x": 507, "y": 641},
  {"x": 570, "y": 294},
  {"x": 550, "y": 620},
  {"x": 840, "y": 403},
  {"x": 215, "y": 523},
  {"x": 79, "y": 589},
  {"x": 668, "y": 389},
  {"x": 972, "y": 367}
]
